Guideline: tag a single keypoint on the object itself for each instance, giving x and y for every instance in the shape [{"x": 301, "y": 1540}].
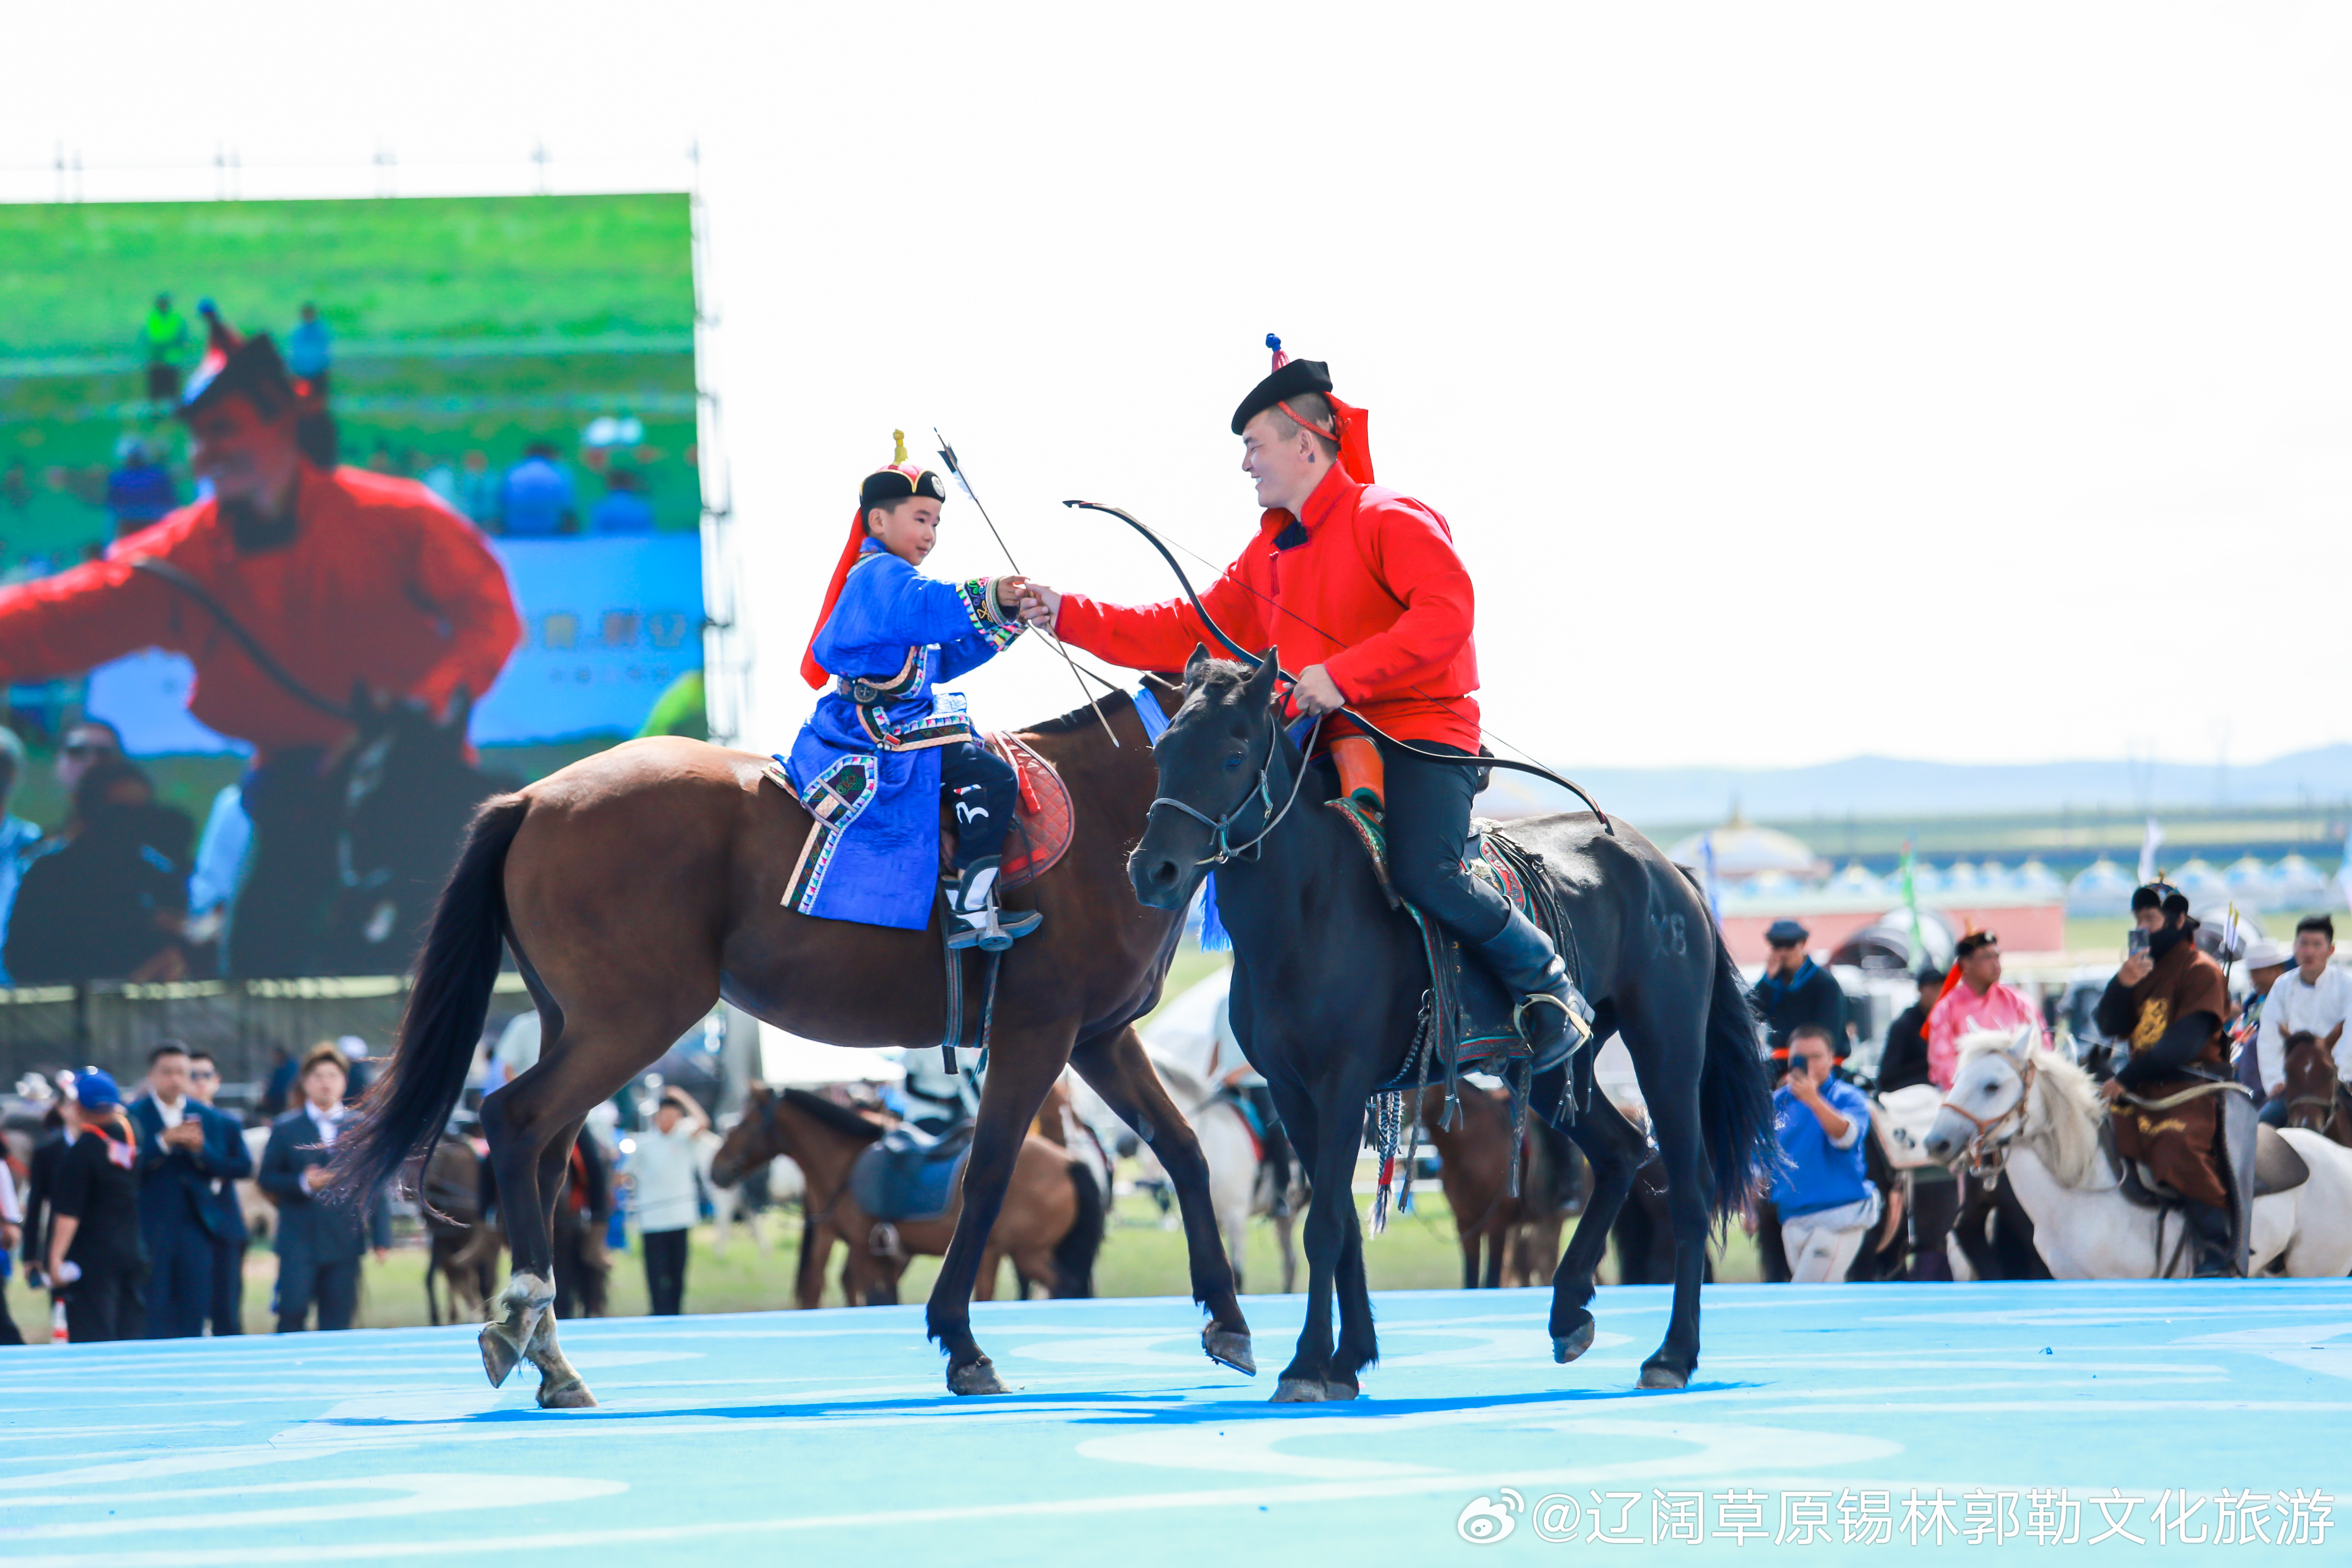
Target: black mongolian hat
[
  {"x": 1291, "y": 378},
  {"x": 235, "y": 364},
  {"x": 2161, "y": 896},
  {"x": 900, "y": 481}
]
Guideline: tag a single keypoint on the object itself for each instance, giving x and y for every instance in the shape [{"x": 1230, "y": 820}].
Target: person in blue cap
[
  {"x": 96, "y": 1260},
  {"x": 1795, "y": 990}
]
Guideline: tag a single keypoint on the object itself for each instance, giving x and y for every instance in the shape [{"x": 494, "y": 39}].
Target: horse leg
[
  {"x": 1358, "y": 1347},
  {"x": 1469, "y": 1241},
  {"x": 991, "y": 1264},
  {"x": 1119, "y": 1071},
  {"x": 1672, "y": 1090},
  {"x": 561, "y": 1386},
  {"x": 1332, "y": 1160},
  {"x": 1498, "y": 1240},
  {"x": 432, "y": 1262},
  {"x": 1286, "y": 1237},
  {"x": 1614, "y": 1150},
  {"x": 1019, "y": 1075}
]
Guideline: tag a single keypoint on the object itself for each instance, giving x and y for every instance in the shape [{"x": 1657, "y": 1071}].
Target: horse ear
[
  {"x": 2022, "y": 1043},
  {"x": 1198, "y": 664},
  {"x": 1259, "y": 688}
]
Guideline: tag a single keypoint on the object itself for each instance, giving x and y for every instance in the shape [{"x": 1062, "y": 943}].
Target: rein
[
  {"x": 1222, "y": 825},
  {"x": 1985, "y": 1156}
]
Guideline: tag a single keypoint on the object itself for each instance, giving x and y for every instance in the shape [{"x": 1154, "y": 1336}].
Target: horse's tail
[
  {"x": 1735, "y": 1096},
  {"x": 411, "y": 1098},
  {"x": 1074, "y": 1255}
]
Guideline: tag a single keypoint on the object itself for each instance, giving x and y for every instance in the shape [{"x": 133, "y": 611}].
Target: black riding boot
[
  {"x": 1554, "y": 1014},
  {"x": 2216, "y": 1251}
]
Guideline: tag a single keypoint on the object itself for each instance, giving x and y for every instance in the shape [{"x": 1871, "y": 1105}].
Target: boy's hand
[{"x": 1009, "y": 591}]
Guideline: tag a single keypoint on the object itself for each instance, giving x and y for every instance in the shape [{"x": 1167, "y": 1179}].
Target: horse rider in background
[
  {"x": 2168, "y": 1001},
  {"x": 1359, "y": 589}
]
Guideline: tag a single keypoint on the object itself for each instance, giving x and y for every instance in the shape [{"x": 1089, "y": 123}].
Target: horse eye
[{"x": 1231, "y": 763}]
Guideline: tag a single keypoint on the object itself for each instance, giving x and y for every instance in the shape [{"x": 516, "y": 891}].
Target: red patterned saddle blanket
[{"x": 1042, "y": 828}]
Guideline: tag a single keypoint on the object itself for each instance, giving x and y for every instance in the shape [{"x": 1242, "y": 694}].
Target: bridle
[
  {"x": 1985, "y": 1155},
  {"x": 1264, "y": 793}
]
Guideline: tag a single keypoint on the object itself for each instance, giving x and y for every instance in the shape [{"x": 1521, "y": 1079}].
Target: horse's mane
[
  {"x": 2069, "y": 1122},
  {"x": 839, "y": 1118}
]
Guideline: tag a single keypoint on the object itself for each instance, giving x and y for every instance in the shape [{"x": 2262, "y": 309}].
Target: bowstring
[{"x": 955, "y": 467}]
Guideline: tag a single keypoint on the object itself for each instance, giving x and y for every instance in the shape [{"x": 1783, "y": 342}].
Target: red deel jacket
[
  {"x": 1376, "y": 596},
  {"x": 382, "y": 583}
]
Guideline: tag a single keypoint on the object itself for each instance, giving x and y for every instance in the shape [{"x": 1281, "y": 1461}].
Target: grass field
[
  {"x": 460, "y": 324},
  {"x": 1141, "y": 1256}
]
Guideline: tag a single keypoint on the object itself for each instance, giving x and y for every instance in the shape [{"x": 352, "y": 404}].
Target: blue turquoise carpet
[{"x": 1850, "y": 1424}]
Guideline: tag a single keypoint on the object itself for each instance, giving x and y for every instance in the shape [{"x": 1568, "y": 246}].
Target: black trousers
[
  {"x": 985, "y": 794},
  {"x": 9, "y": 1334},
  {"x": 107, "y": 1303},
  {"x": 666, "y": 1270},
  {"x": 1428, "y": 827},
  {"x": 179, "y": 1280},
  {"x": 334, "y": 1287},
  {"x": 227, "y": 1309}
]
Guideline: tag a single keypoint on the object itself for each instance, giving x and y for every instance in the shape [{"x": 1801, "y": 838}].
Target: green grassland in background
[{"x": 460, "y": 324}]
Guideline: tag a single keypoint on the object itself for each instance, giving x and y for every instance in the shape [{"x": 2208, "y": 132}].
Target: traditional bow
[{"x": 1253, "y": 660}]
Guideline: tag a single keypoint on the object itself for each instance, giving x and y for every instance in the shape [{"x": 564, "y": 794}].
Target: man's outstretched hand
[{"x": 1039, "y": 603}]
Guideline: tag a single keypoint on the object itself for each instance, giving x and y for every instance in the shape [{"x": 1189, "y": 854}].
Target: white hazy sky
[{"x": 1794, "y": 376}]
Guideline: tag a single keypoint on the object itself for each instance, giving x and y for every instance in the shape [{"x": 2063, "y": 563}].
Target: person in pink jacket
[{"x": 1975, "y": 1000}]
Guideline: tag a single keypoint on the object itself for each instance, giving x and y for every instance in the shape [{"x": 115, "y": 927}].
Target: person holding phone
[{"x": 2168, "y": 1001}]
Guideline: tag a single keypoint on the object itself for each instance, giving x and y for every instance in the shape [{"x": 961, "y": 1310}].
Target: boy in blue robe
[{"x": 872, "y": 761}]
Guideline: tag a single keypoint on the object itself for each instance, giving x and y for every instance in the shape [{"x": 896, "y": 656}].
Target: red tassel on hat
[{"x": 811, "y": 670}]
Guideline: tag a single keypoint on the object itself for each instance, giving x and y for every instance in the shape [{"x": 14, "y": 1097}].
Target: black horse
[{"x": 1326, "y": 999}]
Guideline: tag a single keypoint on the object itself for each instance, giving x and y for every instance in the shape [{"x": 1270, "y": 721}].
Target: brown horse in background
[
  {"x": 639, "y": 886},
  {"x": 1520, "y": 1234},
  {"x": 2316, "y": 1099},
  {"x": 1050, "y": 1225},
  {"x": 463, "y": 1245}
]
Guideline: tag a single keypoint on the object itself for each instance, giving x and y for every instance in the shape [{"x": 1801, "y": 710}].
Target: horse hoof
[
  {"x": 500, "y": 1355},
  {"x": 1655, "y": 1374},
  {"x": 1338, "y": 1393},
  {"x": 978, "y": 1378},
  {"x": 1567, "y": 1347},
  {"x": 1228, "y": 1348},
  {"x": 569, "y": 1394},
  {"x": 1300, "y": 1391}
]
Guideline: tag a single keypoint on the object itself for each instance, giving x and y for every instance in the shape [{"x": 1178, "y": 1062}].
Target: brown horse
[
  {"x": 2316, "y": 1098},
  {"x": 463, "y": 1247},
  {"x": 1520, "y": 1234},
  {"x": 1051, "y": 1223},
  {"x": 640, "y": 885}
]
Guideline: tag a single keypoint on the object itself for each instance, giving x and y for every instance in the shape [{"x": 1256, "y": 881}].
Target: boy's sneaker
[{"x": 976, "y": 919}]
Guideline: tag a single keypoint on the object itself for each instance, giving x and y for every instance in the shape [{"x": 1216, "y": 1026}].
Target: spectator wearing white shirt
[
  {"x": 2314, "y": 997},
  {"x": 662, "y": 1169}
]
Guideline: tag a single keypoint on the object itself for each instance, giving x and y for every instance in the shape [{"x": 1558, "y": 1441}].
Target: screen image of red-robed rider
[{"x": 320, "y": 523}]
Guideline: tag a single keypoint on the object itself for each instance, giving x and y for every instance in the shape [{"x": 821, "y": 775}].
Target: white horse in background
[
  {"x": 1240, "y": 1182},
  {"x": 2040, "y": 1111},
  {"x": 1193, "y": 1049}
]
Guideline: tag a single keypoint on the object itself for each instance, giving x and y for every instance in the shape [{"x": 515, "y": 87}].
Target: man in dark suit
[
  {"x": 184, "y": 1147},
  {"x": 320, "y": 1237},
  {"x": 230, "y": 1238}
]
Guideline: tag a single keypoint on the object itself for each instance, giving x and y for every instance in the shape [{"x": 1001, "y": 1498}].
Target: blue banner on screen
[{"x": 608, "y": 624}]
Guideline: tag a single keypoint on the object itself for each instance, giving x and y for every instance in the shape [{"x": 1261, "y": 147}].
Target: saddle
[
  {"x": 2277, "y": 1168},
  {"x": 908, "y": 1173},
  {"x": 1468, "y": 1020},
  {"x": 1471, "y": 1020},
  {"x": 1041, "y": 828}
]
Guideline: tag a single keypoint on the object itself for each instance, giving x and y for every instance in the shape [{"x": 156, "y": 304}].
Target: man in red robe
[
  {"x": 348, "y": 578},
  {"x": 1359, "y": 590}
]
